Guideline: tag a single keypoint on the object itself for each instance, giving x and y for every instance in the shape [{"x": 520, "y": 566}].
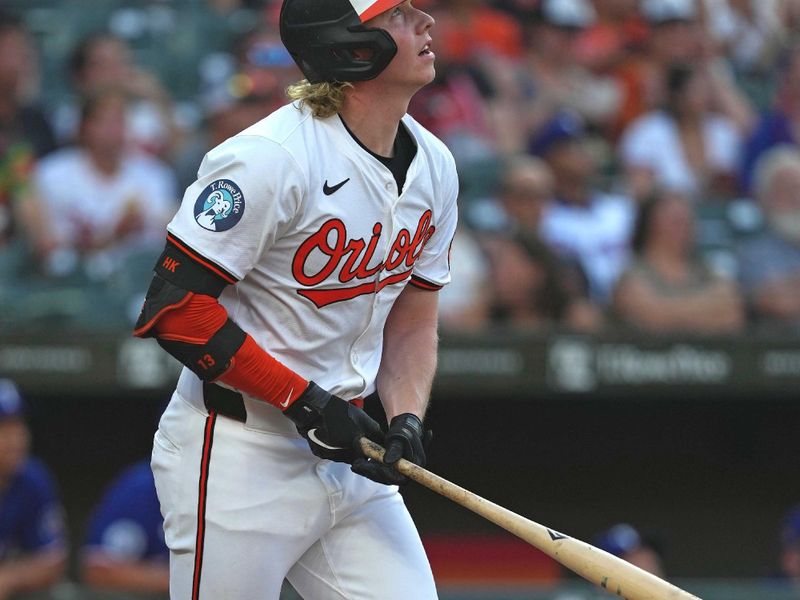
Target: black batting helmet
[{"x": 323, "y": 35}]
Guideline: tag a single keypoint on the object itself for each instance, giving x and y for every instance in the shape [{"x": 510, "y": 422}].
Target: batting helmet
[{"x": 323, "y": 35}]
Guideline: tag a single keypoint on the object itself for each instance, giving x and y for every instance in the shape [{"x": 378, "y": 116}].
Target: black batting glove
[
  {"x": 332, "y": 426},
  {"x": 406, "y": 438}
]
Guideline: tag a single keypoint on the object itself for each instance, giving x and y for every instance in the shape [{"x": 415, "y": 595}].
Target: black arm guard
[
  {"x": 178, "y": 277},
  {"x": 210, "y": 360}
]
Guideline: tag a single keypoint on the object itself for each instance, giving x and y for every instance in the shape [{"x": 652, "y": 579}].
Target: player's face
[
  {"x": 14, "y": 441},
  {"x": 410, "y": 29}
]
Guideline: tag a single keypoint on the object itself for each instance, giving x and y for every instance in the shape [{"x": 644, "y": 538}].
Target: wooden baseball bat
[{"x": 613, "y": 574}]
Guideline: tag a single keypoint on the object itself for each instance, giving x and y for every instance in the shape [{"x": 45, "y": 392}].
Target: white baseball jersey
[{"x": 312, "y": 228}]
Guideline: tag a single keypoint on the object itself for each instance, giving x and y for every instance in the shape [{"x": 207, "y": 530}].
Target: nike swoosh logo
[
  {"x": 328, "y": 190},
  {"x": 312, "y": 435},
  {"x": 285, "y": 403}
]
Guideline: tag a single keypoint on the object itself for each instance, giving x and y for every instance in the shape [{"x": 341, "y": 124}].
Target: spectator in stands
[
  {"x": 790, "y": 547},
  {"x": 106, "y": 201},
  {"x": 235, "y": 97},
  {"x": 673, "y": 36},
  {"x": 525, "y": 190},
  {"x": 685, "y": 146},
  {"x": 532, "y": 288},
  {"x": 677, "y": 36},
  {"x": 780, "y": 124},
  {"x": 531, "y": 285},
  {"x": 25, "y": 136},
  {"x": 33, "y": 548},
  {"x": 627, "y": 543},
  {"x": 552, "y": 73},
  {"x": 101, "y": 61},
  {"x": 666, "y": 288},
  {"x": 769, "y": 264},
  {"x": 124, "y": 548},
  {"x": 584, "y": 224}
]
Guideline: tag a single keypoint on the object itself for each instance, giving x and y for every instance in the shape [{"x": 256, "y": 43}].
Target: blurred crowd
[{"x": 623, "y": 163}]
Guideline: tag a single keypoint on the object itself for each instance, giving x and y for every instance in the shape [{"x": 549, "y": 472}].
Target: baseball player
[{"x": 313, "y": 287}]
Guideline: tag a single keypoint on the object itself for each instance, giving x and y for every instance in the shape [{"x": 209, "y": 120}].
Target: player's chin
[{"x": 428, "y": 74}]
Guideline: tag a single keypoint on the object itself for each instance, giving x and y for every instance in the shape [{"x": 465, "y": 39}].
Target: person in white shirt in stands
[
  {"x": 583, "y": 224},
  {"x": 687, "y": 146},
  {"x": 104, "y": 200}
]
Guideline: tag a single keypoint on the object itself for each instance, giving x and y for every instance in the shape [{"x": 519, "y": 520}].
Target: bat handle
[
  {"x": 407, "y": 468},
  {"x": 371, "y": 449}
]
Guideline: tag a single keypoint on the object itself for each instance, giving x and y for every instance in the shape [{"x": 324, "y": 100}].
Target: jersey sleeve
[
  {"x": 432, "y": 269},
  {"x": 247, "y": 192}
]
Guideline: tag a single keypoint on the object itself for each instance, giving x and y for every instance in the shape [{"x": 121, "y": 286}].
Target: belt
[
  {"x": 224, "y": 401},
  {"x": 229, "y": 403}
]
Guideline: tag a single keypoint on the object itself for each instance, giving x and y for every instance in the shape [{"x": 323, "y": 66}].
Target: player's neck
[{"x": 374, "y": 119}]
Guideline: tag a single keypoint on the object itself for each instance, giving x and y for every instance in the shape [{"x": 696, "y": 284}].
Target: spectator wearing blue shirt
[
  {"x": 124, "y": 548},
  {"x": 33, "y": 547}
]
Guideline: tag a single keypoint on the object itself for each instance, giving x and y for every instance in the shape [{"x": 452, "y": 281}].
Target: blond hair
[{"x": 324, "y": 99}]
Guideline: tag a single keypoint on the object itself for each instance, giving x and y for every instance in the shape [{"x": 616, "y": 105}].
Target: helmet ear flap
[{"x": 323, "y": 38}]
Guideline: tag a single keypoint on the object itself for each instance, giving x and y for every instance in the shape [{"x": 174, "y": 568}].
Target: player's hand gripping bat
[{"x": 615, "y": 575}]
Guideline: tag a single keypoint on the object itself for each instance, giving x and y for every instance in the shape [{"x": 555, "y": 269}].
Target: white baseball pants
[{"x": 246, "y": 507}]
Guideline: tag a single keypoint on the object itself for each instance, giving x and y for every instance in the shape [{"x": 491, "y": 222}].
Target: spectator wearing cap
[
  {"x": 624, "y": 541},
  {"x": 685, "y": 146},
  {"x": 674, "y": 25},
  {"x": 583, "y": 224},
  {"x": 33, "y": 547},
  {"x": 790, "y": 546},
  {"x": 124, "y": 549}
]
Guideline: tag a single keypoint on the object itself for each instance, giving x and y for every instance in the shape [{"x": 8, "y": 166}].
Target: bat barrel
[{"x": 611, "y": 573}]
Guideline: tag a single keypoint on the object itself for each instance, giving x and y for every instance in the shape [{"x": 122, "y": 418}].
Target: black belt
[
  {"x": 224, "y": 401},
  {"x": 231, "y": 404}
]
